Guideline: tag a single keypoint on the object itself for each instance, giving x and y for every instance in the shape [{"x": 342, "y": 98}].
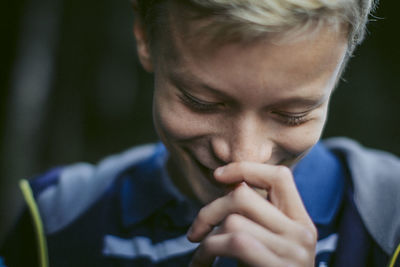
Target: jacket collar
[
  {"x": 320, "y": 180},
  {"x": 146, "y": 188}
]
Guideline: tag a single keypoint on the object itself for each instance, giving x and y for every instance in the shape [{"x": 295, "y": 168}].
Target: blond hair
[{"x": 247, "y": 19}]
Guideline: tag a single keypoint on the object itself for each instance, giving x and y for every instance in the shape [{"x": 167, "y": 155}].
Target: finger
[
  {"x": 280, "y": 245},
  {"x": 245, "y": 201},
  {"x": 277, "y": 180},
  {"x": 234, "y": 245},
  {"x": 300, "y": 252}
]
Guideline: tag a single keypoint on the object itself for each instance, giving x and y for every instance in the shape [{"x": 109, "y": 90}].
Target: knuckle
[
  {"x": 239, "y": 194},
  {"x": 284, "y": 173},
  {"x": 233, "y": 223},
  {"x": 309, "y": 236},
  {"x": 282, "y": 177},
  {"x": 239, "y": 241},
  {"x": 241, "y": 166},
  {"x": 302, "y": 256},
  {"x": 297, "y": 254}
]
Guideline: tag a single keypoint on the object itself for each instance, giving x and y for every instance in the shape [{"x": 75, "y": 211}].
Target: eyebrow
[{"x": 184, "y": 79}]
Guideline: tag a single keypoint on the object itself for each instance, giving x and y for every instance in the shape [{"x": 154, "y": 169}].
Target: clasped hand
[{"x": 257, "y": 231}]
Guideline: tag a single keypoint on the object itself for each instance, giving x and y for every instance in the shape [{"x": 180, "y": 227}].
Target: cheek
[
  {"x": 299, "y": 140},
  {"x": 173, "y": 121}
]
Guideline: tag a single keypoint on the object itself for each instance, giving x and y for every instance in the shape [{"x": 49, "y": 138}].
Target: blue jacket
[{"x": 125, "y": 211}]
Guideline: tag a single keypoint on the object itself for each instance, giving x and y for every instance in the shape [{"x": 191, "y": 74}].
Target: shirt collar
[
  {"x": 146, "y": 188},
  {"x": 320, "y": 180}
]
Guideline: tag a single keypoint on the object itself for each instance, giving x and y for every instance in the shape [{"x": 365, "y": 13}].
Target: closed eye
[
  {"x": 292, "y": 119},
  {"x": 198, "y": 104}
]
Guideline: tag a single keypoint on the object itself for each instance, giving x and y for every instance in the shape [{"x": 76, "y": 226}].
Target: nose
[{"x": 245, "y": 139}]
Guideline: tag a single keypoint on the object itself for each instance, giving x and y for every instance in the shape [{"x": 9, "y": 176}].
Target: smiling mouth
[{"x": 208, "y": 173}]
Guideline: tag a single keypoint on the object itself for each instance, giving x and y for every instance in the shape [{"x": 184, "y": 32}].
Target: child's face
[{"x": 261, "y": 102}]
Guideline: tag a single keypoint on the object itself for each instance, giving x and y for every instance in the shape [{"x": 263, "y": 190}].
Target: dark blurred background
[{"x": 72, "y": 89}]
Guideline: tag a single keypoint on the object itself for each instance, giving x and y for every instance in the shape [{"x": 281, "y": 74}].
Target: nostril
[{"x": 221, "y": 151}]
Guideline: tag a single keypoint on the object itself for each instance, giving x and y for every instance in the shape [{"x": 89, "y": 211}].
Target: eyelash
[
  {"x": 198, "y": 104},
  {"x": 203, "y": 106},
  {"x": 293, "y": 120}
]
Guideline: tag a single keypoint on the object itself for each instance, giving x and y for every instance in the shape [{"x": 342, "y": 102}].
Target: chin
[{"x": 192, "y": 178}]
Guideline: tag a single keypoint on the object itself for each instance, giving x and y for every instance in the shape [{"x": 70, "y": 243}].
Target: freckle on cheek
[{"x": 176, "y": 127}]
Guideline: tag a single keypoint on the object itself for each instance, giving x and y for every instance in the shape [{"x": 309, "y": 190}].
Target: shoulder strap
[
  {"x": 37, "y": 221},
  {"x": 395, "y": 260}
]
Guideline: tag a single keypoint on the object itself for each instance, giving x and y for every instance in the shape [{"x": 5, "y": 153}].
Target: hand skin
[{"x": 256, "y": 231}]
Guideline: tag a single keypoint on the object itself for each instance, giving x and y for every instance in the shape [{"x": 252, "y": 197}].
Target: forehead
[
  {"x": 270, "y": 58},
  {"x": 186, "y": 28}
]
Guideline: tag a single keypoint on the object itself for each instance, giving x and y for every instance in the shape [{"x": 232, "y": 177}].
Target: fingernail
[{"x": 219, "y": 171}]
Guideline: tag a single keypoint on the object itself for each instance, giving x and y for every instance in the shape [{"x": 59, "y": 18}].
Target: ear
[{"x": 142, "y": 44}]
